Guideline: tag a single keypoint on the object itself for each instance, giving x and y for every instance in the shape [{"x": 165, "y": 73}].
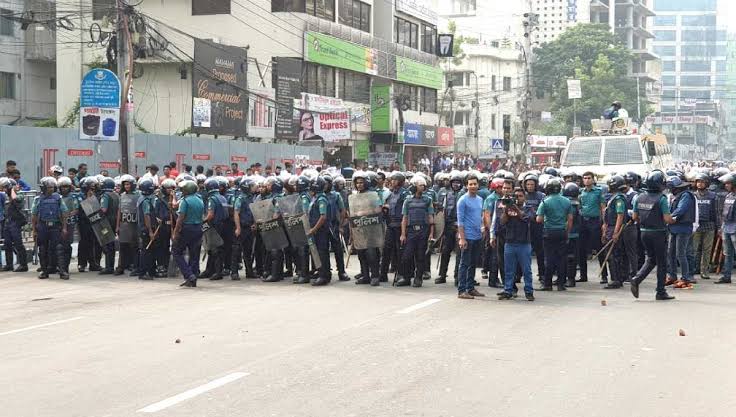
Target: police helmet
[
  {"x": 127, "y": 178},
  {"x": 632, "y": 178},
  {"x": 530, "y": 177},
  {"x": 201, "y": 178},
  {"x": 168, "y": 184},
  {"x": 701, "y": 176},
  {"x": 302, "y": 184},
  {"x": 438, "y": 178},
  {"x": 57, "y": 170},
  {"x": 11, "y": 184},
  {"x": 246, "y": 185},
  {"x": 717, "y": 173},
  {"x": 674, "y": 182},
  {"x": 4, "y": 183},
  {"x": 483, "y": 181},
  {"x": 571, "y": 190},
  {"x": 553, "y": 186},
  {"x": 48, "y": 184},
  {"x": 107, "y": 185},
  {"x": 501, "y": 173},
  {"x": 728, "y": 178},
  {"x": 211, "y": 184},
  {"x": 64, "y": 182},
  {"x": 456, "y": 177},
  {"x": 146, "y": 186},
  {"x": 317, "y": 184},
  {"x": 551, "y": 171},
  {"x": 276, "y": 185},
  {"x": 339, "y": 182},
  {"x": 371, "y": 180},
  {"x": 189, "y": 187},
  {"x": 655, "y": 181},
  {"x": 395, "y": 176},
  {"x": 87, "y": 184},
  {"x": 616, "y": 183},
  {"x": 543, "y": 180}
]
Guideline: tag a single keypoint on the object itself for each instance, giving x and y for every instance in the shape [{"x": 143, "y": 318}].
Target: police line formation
[{"x": 285, "y": 227}]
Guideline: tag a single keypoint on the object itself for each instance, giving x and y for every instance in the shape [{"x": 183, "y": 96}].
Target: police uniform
[
  {"x": 3, "y": 202},
  {"x": 448, "y": 203},
  {"x": 301, "y": 254},
  {"x": 49, "y": 212},
  {"x": 146, "y": 210},
  {"x": 320, "y": 207},
  {"x": 216, "y": 204},
  {"x": 128, "y": 251},
  {"x": 555, "y": 210},
  {"x": 228, "y": 230},
  {"x": 683, "y": 208},
  {"x": 392, "y": 244},
  {"x": 110, "y": 204},
  {"x": 369, "y": 258},
  {"x": 15, "y": 220},
  {"x": 728, "y": 215},
  {"x": 573, "y": 242},
  {"x": 617, "y": 206},
  {"x": 190, "y": 212},
  {"x": 71, "y": 200},
  {"x": 262, "y": 258},
  {"x": 590, "y": 231},
  {"x": 165, "y": 218},
  {"x": 651, "y": 209},
  {"x": 704, "y": 236},
  {"x": 337, "y": 206},
  {"x": 415, "y": 211},
  {"x": 243, "y": 247}
]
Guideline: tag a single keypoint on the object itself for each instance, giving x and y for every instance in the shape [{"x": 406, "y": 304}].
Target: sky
[{"x": 727, "y": 14}]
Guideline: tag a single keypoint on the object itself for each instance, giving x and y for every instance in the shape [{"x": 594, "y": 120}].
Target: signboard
[
  {"x": 445, "y": 136},
  {"x": 381, "y": 105},
  {"x": 238, "y": 158},
  {"x": 334, "y": 52},
  {"x": 382, "y": 159},
  {"x": 573, "y": 89},
  {"x": 322, "y": 118},
  {"x": 572, "y": 10},
  {"x": 287, "y": 78},
  {"x": 99, "y": 106},
  {"x": 416, "y": 73},
  {"x": 109, "y": 164},
  {"x": 429, "y": 135},
  {"x": 262, "y": 112},
  {"x": 421, "y": 9},
  {"x": 412, "y": 134},
  {"x": 497, "y": 144},
  {"x": 659, "y": 120},
  {"x": 445, "y": 44},
  {"x": 79, "y": 152},
  {"x": 140, "y": 154},
  {"x": 362, "y": 148},
  {"x": 219, "y": 85},
  {"x": 201, "y": 157},
  {"x": 557, "y": 142}
]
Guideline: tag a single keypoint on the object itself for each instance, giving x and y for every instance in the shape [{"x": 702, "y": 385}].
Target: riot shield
[
  {"x": 128, "y": 232},
  {"x": 267, "y": 222},
  {"x": 439, "y": 225},
  {"x": 297, "y": 225},
  {"x": 365, "y": 220},
  {"x": 100, "y": 225},
  {"x": 211, "y": 239}
]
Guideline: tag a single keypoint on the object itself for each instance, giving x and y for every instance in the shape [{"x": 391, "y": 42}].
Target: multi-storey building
[{"x": 27, "y": 63}]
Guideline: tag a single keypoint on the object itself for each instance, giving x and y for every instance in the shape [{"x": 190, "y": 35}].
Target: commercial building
[{"x": 27, "y": 62}]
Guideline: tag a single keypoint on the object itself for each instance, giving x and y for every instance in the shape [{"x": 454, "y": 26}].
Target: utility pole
[
  {"x": 531, "y": 21},
  {"x": 476, "y": 104},
  {"x": 122, "y": 62}
]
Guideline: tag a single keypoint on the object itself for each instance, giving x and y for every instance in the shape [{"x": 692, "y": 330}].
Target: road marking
[
  {"x": 416, "y": 307},
  {"x": 40, "y": 325},
  {"x": 176, "y": 399}
]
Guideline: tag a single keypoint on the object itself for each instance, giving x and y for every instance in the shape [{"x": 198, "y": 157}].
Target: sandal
[
  {"x": 669, "y": 281},
  {"x": 679, "y": 283}
]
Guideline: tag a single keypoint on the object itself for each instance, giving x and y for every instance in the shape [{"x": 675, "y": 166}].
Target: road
[{"x": 106, "y": 346}]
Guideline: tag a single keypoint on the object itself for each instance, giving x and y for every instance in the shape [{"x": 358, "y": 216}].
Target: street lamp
[{"x": 476, "y": 105}]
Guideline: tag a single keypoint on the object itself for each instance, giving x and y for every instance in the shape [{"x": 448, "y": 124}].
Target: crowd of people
[{"x": 274, "y": 225}]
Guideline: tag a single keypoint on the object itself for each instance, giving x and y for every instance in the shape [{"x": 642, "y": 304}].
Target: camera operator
[{"x": 516, "y": 217}]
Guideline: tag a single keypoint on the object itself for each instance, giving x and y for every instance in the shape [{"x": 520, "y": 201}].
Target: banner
[
  {"x": 287, "y": 79},
  {"x": 381, "y": 106},
  {"x": 421, "y": 9},
  {"x": 429, "y": 135},
  {"x": 412, "y": 134},
  {"x": 445, "y": 136},
  {"x": 334, "y": 52},
  {"x": 219, "y": 84},
  {"x": 322, "y": 118},
  {"x": 362, "y": 148},
  {"x": 382, "y": 159},
  {"x": 554, "y": 142},
  {"x": 416, "y": 73},
  {"x": 99, "y": 106}
]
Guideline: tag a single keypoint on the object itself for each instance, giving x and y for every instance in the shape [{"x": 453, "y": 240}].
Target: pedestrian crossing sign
[{"x": 497, "y": 144}]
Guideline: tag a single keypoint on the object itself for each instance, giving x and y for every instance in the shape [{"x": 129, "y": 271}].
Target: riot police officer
[
  {"x": 592, "y": 203},
  {"x": 555, "y": 213},
  {"x": 14, "y": 221},
  {"x": 448, "y": 204},
  {"x": 148, "y": 229},
  {"x": 89, "y": 249},
  {"x": 216, "y": 216},
  {"x": 683, "y": 208},
  {"x": 616, "y": 219},
  {"x": 337, "y": 215},
  {"x": 652, "y": 213},
  {"x": 109, "y": 206},
  {"x": 319, "y": 229},
  {"x": 72, "y": 219},
  {"x": 49, "y": 224},
  {"x": 244, "y": 230},
  {"x": 417, "y": 226},
  {"x": 165, "y": 216},
  {"x": 367, "y": 257},
  {"x": 704, "y": 236},
  {"x": 187, "y": 235},
  {"x": 729, "y": 226},
  {"x": 572, "y": 192},
  {"x": 127, "y": 226},
  {"x": 392, "y": 210}
]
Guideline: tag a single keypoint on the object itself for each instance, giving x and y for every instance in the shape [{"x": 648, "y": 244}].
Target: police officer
[
  {"x": 392, "y": 211},
  {"x": 729, "y": 226},
  {"x": 15, "y": 220},
  {"x": 228, "y": 227},
  {"x": 533, "y": 199},
  {"x": 89, "y": 248},
  {"x": 127, "y": 226},
  {"x": 164, "y": 211},
  {"x": 368, "y": 258},
  {"x": 417, "y": 226},
  {"x": 109, "y": 206},
  {"x": 3, "y": 203},
  {"x": 337, "y": 216},
  {"x": 592, "y": 203},
  {"x": 72, "y": 219},
  {"x": 683, "y": 208},
  {"x": 555, "y": 212},
  {"x": 187, "y": 235},
  {"x": 572, "y": 192},
  {"x": 301, "y": 254},
  {"x": 216, "y": 215},
  {"x": 616, "y": 219},
  {"x": 148, "y": 229},
  {"x": 447, "y": 202},
  {"x": 704, "y": 236},
  {"x": 49, "y": 224},
  {"x": 244, "y": 231},
  {"x": 652, "y": 213},
  {"x": 319, "y": 228}
]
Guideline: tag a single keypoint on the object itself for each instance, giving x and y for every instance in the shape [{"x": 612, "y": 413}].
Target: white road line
[
  {"x": 416, "y": 307},
  {"x": 176, "y": 399},
  {"x": 40, "y": 325}
]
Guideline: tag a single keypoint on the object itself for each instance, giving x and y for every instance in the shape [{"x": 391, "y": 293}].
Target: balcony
[
  {"x": 645, "y": 55},
  {"x": 644, "y": 77},
  {"x": 643, "y": 32},
  {"x": 598, "y": 6}
]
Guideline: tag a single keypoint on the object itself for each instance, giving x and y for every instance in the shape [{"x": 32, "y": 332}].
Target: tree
[
  {"x": 457, "y": 47},
  {"x": 599, "y": 60}
]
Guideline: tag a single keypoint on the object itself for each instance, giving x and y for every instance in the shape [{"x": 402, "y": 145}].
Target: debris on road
[
  {"x": 604, "y": 303},
  {"x": 682, "y": 332},
  {"x": 177, "y": 341}
]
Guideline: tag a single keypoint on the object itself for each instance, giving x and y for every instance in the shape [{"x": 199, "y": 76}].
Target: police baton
[
  {"x": 607, "y": 245},
  {"x": 155, "y": 235},
  {"x": 610, "y": 250}
]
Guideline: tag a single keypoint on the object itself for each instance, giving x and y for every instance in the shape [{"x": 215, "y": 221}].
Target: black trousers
[
  {"x": 655, "y": 248},
  {"x": 391, "y": 248},
  {"x": 555, "y": 251},
  {"x": 449, "y": 245},
  {"x": 368, "y": 259}
]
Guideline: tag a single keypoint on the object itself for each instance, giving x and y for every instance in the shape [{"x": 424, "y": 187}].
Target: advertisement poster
[
  {"x": 219, "y": 84},
  {"x": 287, "y": 79},
  {"x": 381, "y": 105},
  {"x": 322, "y": 118},
  {"x": 445, "y": 136},
  {"x": 99, "y": 106},
  {"x": 412, "y": 134}
]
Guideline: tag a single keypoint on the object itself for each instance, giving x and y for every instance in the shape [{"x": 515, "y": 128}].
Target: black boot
[
  {"x": 663, "y": 296},
  {"x": 401, "y": 281},
  {"x": 8, "y": 261},
  {"x": 22, "y": 260},
  {"x": 362, "y": 281},
  {"x": 443, "y": 280}
]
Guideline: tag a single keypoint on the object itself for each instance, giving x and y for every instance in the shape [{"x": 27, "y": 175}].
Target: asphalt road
[{"x": 105, "y": 346}]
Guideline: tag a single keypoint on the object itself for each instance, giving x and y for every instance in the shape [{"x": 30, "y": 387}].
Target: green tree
[
  {"x": 457, "y": 46},
  {"x": 600, "y": 60}
]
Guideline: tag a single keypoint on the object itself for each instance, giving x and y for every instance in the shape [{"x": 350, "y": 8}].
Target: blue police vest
[
  {"x": 650, "y": 211},
  {"x": 728, "y": 204},
  {"x": 246, "y": 216},
  {"x": 611, "y": 209},
  {"x": 576, "y": 217},
  {"x": 534, "y": 199},
  {"x": 49, "y": 207},
  {"x": 145, "y": 200},
  {"x": 395, "y": 204},
  {"x": 3, "y": 200},
  {"x": 417, "y": 211},
  {"x": 706, "y": 206},
  {"x": 451, "y": 207},
  {"x": 162, "y": 210},
  {"x": 333, "y": 209},
  {"x": 314, "y": 211},
  {"x": 69, "y": 200}
]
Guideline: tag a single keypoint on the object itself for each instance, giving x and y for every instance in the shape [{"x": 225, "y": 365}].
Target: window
[
  {"x": 207, "y": 7},
  {"x": 456, "y": 78},
  {"x": 406, "y": 33},
  {"x": 52, "y": 83},
  {"x": 6, "y": 25},
  {"x": 409, "y": 92},
  {"x": 665, "y": 20},
  {"x": 461, "y": 118},
  {"x": 720, "y": 66},
  {"x": 699, "y": 35},
  {"x": 668, "y": 79},
  {"x": 298, "y": 6},
  {"x": 506, "y": 83},
  {"x": 697, "y": 94},
  {"x": 664, "y": 50},
  {"x": 625, "y": 150},
  {"x": 493, "y": 122},
  {"x": 664, "y": 35},
  {"x": 355, "y": 87},
  {"x": 355, "y": 14},
  {"x": 429, "y": 100},
  {"x": 695, "y": 66},
  {"x": 668, "y": 65},
  {"x": 320, "y": 80},
  {"x": 429, "y": 39},
  {"x": 102, "y": 8},
  {"x": 700, "y": 50},
  {"x": 584, "y": 151},
  {"x": 695, "y": 80},
  {"x": 702, "y": 20},
  {"x": 493, "y": 83},
  {"x": 324, "y": 9},
  {"x": 7, "y": 85}
]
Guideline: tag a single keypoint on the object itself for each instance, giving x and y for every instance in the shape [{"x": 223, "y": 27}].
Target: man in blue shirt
[
  {"x": 681, "y": 232},
  {"x": 469, "y": 215}
]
